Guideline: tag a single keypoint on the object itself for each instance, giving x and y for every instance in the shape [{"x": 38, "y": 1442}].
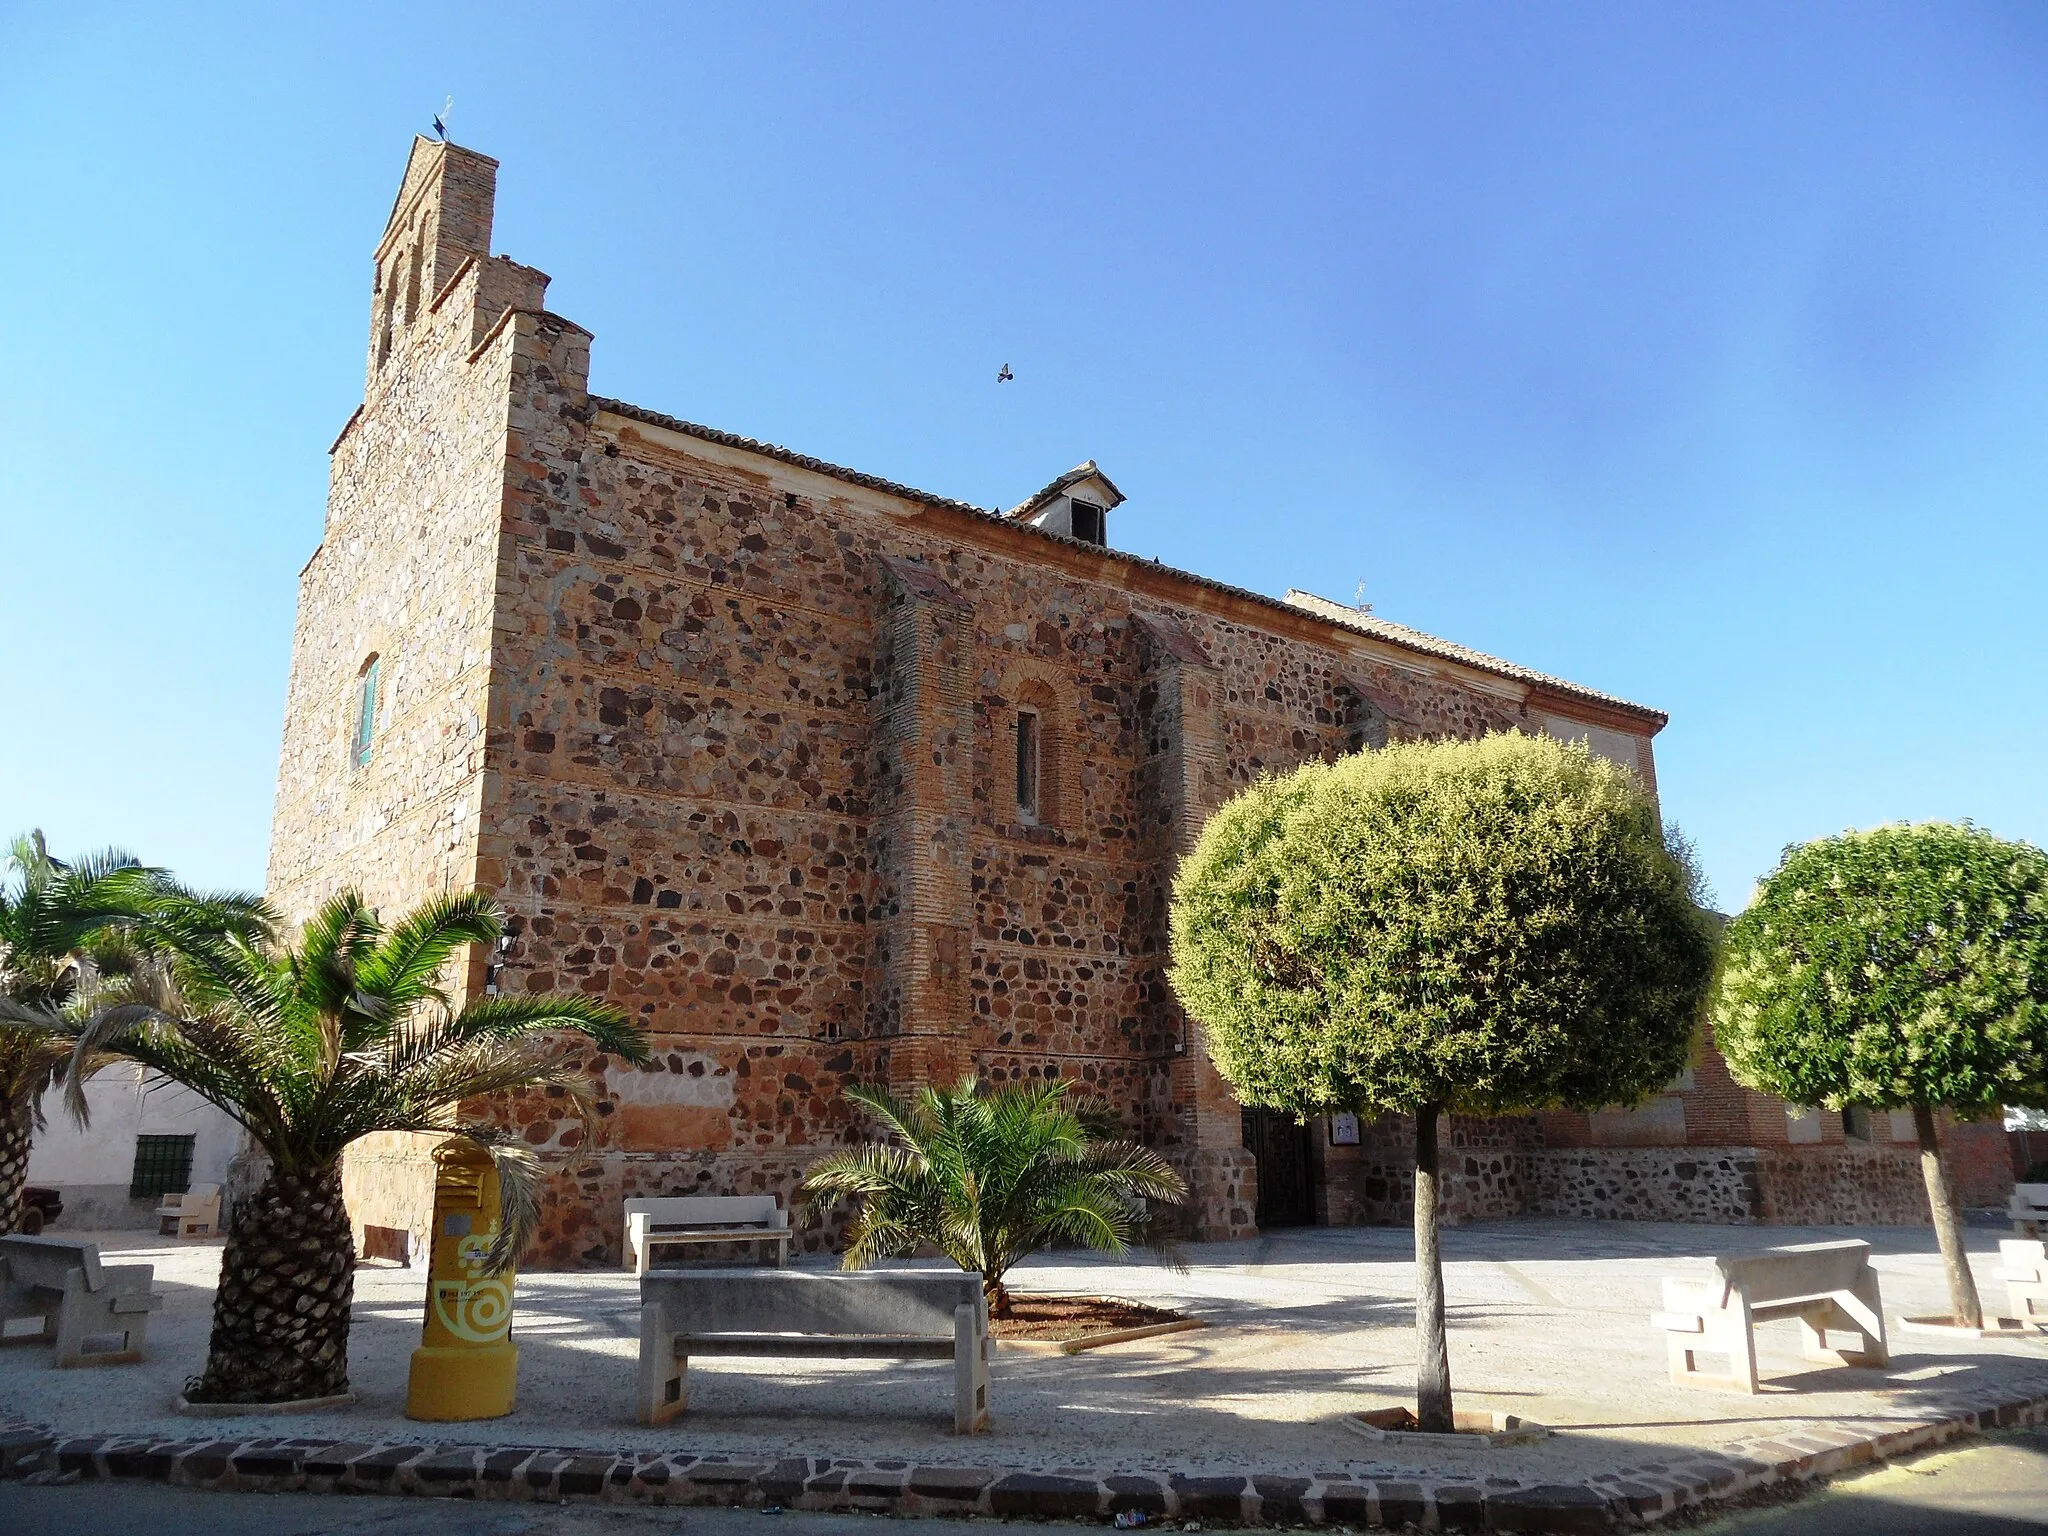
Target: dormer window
[
  {"x": 1077, "y": 506},
  {"x": 1088, "y": 524}
]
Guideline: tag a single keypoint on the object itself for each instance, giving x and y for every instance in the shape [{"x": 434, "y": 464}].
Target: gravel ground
[{"x": 1549, "y": 1320}]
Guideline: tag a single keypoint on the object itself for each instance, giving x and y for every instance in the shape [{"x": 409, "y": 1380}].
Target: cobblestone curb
[{"x": 1636, "y": 1495}]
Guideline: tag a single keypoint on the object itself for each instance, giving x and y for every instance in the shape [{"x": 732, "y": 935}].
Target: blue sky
[{"x": 1696, "y": 353}]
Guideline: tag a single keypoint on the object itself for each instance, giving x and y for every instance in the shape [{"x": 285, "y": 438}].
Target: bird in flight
[
  {"x": 1004, "y": 376},
  {"x": 441, "y": 118}
]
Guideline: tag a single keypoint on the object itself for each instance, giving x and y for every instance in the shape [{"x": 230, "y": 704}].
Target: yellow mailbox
[{"x": 466, "y": 1366}]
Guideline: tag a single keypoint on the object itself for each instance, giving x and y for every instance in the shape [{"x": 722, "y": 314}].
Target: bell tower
[{"x": 442, "y": 218}]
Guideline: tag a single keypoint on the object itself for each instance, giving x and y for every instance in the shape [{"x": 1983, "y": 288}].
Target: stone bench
[
  {"x": 75, "y": 1300},
  {"x": 671, "y": 1221},
  {"x": 2023, "y": 1266},
  {"x": 1825, "y": 1285},
  {"x": 2028, "y": 1209},
  {"x": 787, "y": 1313},
  {"x": 195, "y": 1213}
]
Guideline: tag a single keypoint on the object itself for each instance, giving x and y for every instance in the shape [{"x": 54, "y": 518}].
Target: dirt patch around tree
[{"x": 1071, "y": 1319}]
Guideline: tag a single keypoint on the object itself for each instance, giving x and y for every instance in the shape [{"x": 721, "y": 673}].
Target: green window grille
[
  {"x": 366, "y": 714},
  {"x": 163, "y": 1166}
]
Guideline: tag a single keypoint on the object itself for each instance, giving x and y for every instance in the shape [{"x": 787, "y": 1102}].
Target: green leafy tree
[
  {"x": 989, "y": 1178},
  {"x": 1474, "y": 927},
  {"x": 71, "y": 934},
  {"x": 1901, "y": 968},
  {"x": 312, "y": 1047}
]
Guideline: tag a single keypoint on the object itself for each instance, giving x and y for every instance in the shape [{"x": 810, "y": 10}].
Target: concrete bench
[
  {"x": 2023, "y": 1266},
  {"x": 97, "y": 1314},
  {"x": 195, "y": 1213},
  {"x": 674, "y": 1220},
  {"x": 866, "y": 1315},
  {"x": 1825, "y": 1285},
  {"x": 2028, "y": 1209}
]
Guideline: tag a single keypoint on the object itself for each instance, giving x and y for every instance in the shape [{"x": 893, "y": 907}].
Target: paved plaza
[{"x": 1549, "y": 1320}]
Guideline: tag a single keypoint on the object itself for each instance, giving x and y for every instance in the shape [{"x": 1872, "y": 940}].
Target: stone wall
[
  {"x": 730, "y": 734},
  {"x": 387, "y": 1181},
  {"x": 1845, "y": 1186},
  {"x": 1696, "y": 1184},
  {"x": 1482, "y": 1163},
  {"x": 1502, "y": 1168}
]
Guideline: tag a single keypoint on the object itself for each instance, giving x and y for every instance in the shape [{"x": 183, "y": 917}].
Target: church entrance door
[{"x": 1281, "y": 1150}]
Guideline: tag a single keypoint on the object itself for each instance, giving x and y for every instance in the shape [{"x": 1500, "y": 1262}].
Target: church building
[{"x": 827, "y": 780}]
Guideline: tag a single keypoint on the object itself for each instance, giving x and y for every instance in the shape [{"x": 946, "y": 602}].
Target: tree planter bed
[
  {"x": 1065, "y": 1325},
  {"x": 1945, "y": 1326},
  {"x": 244, "y": 1410},
  {"x": 1475, "y": 1427}
]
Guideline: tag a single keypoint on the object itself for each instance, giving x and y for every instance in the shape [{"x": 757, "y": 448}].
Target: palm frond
[
  {"x": 605, "y": 1024},
  {"x": 408, "y": 958}
]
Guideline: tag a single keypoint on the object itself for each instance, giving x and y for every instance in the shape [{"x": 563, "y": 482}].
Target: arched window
[
  {"x": 412, "y": 286},
  {"x": 1030, "y": 741},
  {"x": 1037, "y": 793},
  {"x": 365, "y": 713},
  {"x": 388, "y": 283}
]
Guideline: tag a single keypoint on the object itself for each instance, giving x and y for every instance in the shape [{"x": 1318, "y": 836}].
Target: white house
[{"x": 146, "y": 1138}]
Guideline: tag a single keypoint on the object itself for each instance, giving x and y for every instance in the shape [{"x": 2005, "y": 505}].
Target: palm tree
[
  {"x": 988, "y": 1178},
  {"x": 70, "y": 936},
  {"x": 312, "y": 1047}
]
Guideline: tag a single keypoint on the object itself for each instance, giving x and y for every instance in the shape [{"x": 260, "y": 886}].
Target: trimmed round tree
[
  {"x": 1472, "y": 927},
  {"x": 1900, "y": 968}
]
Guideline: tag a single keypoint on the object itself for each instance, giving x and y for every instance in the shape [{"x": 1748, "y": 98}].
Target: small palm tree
[
  {"x": 312, "y": 1047},
  {"x": 70, "y": 936},
  {"x": 988, "y": 1178}
]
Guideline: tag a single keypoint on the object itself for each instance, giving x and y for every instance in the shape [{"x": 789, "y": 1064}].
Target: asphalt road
[
  {"x": 151, "y": 1509},
  {"x": 1991, "y": 1487}
]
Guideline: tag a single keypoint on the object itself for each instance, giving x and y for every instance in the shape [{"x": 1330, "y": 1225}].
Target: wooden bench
[
  {"x": 677, "y": 1219},
  {"x": 866, "y": 1315},
  {"x": 2028, "y": 1209},
  {"x": 1825, "y": 1285},
  {"x": 2023, "y": 1266},
  {"x": 195, "y": 1213},
  {"x": 75, "y": 1300}
]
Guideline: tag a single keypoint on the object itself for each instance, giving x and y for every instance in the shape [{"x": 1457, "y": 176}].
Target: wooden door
[{"x": 1280, "y": 1147}]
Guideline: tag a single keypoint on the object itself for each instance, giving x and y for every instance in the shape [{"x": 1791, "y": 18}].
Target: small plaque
[{"x": 1344, "y": 1130}]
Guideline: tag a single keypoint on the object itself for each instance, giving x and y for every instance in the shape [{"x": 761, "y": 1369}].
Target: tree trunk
[
  {"x": 287, "y": 1278},
  {"x": 16, "y": 1129},
  {"x": 1432, "y": 1351},
  {"x": 1948, "y": 1229}
]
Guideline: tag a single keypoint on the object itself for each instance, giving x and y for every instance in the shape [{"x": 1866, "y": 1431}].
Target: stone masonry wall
[
  {"x": 729, "y": 734},
  {"x": 1723, "y": 1185}
]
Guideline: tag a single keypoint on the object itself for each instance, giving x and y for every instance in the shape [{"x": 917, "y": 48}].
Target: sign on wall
[{"x": 1344, "y": 1130}]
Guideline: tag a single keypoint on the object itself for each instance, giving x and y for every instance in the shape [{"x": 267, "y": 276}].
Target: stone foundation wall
[
  {"x": 1494, "y": 1169},
  {"x": 1701, "y": 1184},
  {"x": 388, "y": 1181},
  {"x": 1223, "y": 1193},
  {"x": 1482, "y": 1163},
  {"x": 1843, "y": 1186}
]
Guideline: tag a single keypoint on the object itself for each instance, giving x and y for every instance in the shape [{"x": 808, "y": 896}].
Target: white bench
[
  {"x": 2028, "y": 1209},
  {"x": 75, "y": 1300},
  {"x": 2023, "y": 1266},
  {"x": 1825, "y": 1285},
  {"x": 195, "y": 1213},
  {"x": 867, "y": 1315},
  {"x": 677, "y": 1219}
]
